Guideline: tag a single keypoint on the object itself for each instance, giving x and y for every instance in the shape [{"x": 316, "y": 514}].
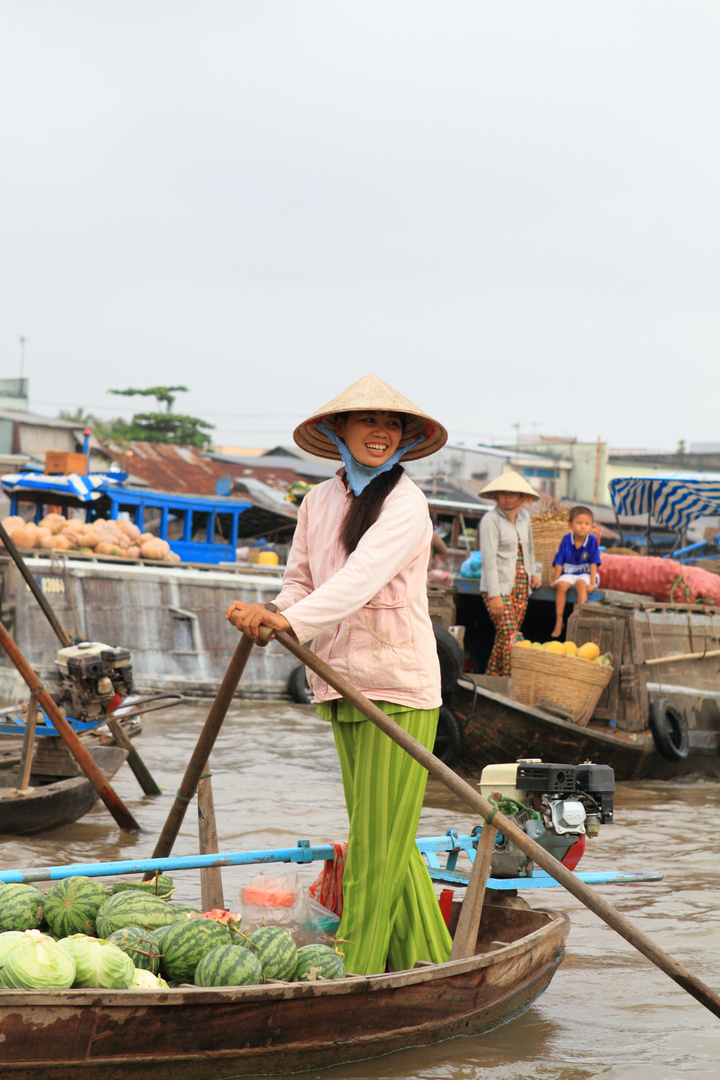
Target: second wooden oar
[
  {"x": 490, "y": 814},
  {"x": 203, "y": 749}
]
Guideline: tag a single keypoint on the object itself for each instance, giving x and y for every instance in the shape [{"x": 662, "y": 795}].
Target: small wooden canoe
[
  {"x": 51, "y": 801},
  {"x": 210, "y": 1034}
]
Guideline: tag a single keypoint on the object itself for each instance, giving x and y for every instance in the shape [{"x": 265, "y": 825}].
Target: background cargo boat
[
  {"x": 169, "y": 614},
  {"x": 658, "y": 717}
]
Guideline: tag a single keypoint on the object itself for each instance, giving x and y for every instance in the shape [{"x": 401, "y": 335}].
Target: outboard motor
[
  {"x": 93, "y": 678},
  {"x": 556, "y": 805}
]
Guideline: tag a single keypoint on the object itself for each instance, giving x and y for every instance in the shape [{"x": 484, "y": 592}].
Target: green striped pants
[{"x": 389, "y": 904}]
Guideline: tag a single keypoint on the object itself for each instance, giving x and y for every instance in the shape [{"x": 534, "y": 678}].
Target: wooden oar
[
  {"x": 490, "y": 814},
  {"x": 60, "y": 632},
  {"x": 203, "y": 748},
  {"x": 94, "y": 774}
]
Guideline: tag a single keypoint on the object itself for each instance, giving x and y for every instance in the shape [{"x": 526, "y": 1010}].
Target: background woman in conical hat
[
  {"x": 508, "y": 563},
  {"x": 355, "y": 586}
]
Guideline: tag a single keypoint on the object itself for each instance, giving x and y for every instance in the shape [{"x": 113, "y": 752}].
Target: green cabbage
[
  {"x": 37, "y": 963},
  {"x": 8, "y": 941},
  {"x": 98, "y": 962},
  {"x": 145, "y": 980}
]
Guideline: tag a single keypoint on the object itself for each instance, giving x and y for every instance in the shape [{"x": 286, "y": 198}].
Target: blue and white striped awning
[
  {"x": 672, "y": 499},
  {"x": 84, "y": 488}
]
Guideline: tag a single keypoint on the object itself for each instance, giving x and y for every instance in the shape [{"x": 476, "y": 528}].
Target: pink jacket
[{"x": 366, "y": 614}]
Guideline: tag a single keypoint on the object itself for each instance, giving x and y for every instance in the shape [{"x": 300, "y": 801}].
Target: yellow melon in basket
[
  {"x": 570, "y": 648},
  {"x": 588, "y": 651},
  {"x": 554, "y": 647},
  {"x": 525, "y": 643}
]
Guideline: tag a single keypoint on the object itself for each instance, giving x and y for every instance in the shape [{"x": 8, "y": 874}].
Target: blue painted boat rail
[{"x": 452, "y": 843}]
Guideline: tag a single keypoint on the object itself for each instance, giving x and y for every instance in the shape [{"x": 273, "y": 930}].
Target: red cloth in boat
[{"x": 327, "y": 886}]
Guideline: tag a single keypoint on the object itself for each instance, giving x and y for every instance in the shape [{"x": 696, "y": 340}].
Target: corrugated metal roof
[{"x": 183, "y": 469}]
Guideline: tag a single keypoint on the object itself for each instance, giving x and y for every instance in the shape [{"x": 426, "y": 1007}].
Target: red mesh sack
[
  {"x": 703, "y": 585},
  {"x": 660, "y": 578}
]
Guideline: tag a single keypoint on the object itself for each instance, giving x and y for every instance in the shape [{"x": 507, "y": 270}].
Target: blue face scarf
[{"x": 359, "y": 476}]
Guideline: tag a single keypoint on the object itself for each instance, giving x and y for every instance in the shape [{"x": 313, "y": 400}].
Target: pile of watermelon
[{"x": 174, "y": 943}]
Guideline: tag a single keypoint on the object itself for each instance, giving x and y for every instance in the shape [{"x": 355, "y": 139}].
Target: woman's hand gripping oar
[{"x": 490, "y": 814}]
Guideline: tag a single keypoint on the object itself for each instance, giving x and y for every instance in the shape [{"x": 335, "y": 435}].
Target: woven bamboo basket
[
  {"x": 546, "y": 540},
  {"x": 566, "y": 683}
]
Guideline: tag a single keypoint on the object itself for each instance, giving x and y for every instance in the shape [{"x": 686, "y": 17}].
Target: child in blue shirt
[{"x": 576, "y": 563}]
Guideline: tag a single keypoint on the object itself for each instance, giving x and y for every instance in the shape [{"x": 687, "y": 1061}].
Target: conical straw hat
[
  {"x": 371, "y": 393},
  {"x": 509, "y": 481}
]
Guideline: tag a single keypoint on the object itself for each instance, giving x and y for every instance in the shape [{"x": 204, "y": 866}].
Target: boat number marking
[{"x": 50, "y": 585}]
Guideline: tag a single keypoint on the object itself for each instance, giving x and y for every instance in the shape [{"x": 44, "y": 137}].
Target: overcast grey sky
[{"x": 509, "y": 211}]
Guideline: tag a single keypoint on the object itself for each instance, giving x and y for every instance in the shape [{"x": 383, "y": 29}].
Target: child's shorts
[{"x": 574, "y": 578}]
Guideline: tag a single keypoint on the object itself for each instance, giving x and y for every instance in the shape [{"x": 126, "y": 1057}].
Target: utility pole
[{"x": 23, "y": 342}]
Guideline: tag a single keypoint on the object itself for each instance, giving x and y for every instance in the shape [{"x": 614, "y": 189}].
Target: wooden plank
[
  {"x": 466, "y": 933},
  {"x": 683, "y": 656},
  {"x": 211, "y": 887}
]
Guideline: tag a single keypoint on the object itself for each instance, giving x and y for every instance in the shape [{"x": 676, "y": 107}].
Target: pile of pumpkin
[
  {"x": 588, "y": 651},
  {"x": 120, "y": 538}
]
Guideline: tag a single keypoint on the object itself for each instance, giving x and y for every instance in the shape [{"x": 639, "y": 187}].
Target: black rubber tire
[
  {"x": 451, "y": 657},
  {"x": 297, "y": 685},
  {"x": 448, "y": 740},
  {"x": 669, "y": 730}
]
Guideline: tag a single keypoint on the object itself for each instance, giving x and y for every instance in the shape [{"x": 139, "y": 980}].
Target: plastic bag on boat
[
  {"x": 279, "y": 900},
  {"x": 320, "y": 926}
]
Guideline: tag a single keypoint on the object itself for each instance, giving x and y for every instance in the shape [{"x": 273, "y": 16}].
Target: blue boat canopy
[{"x": 671, "y": 499}]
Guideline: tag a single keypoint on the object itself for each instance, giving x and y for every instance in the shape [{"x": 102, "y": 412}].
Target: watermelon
[
  {"x": 276, "y": 951},
  {"x": 161, "y": 885},
  {"x": 316, "y": 962},
  {"x": 133, "y": 908},
  {"x": 227, "y": 965},
  {"x": 158, "y": 936},
  {"x": 140, "y": 946},
  {"x": 72, "y": 905},
  {"x": 186, "y": 909},
  {"x": 21, "y": 907},
  {"x": 186, "y": 943}
]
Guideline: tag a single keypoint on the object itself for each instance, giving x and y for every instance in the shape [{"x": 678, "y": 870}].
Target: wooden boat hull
[
  {"x": 498, "y": 728},
  {"x": 48, "y": 806},
  {"x": 200, "y": 1034}
]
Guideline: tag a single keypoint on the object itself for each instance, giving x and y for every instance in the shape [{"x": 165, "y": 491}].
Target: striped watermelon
[
  {"x": 186, "y": 943},
  {"x": 133, "y": 908},
  {"x": 227, "y": 965},
  {"x": 140, "y": 946},
  {"x": 276, "y": 951},
  {"x": 316, "y": 962},
  {"x": 21, "y": 907},
  {"x": 71, "y": 906},
  {"x": 186, "y": 909},
  {"x": 161, "y": 885}
]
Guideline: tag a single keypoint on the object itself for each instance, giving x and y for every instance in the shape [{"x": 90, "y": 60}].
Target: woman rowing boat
[{"x": 355, "y": 586}]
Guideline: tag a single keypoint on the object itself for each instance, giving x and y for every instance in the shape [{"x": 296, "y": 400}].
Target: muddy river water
[{"x": 607, "y": 1013}]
